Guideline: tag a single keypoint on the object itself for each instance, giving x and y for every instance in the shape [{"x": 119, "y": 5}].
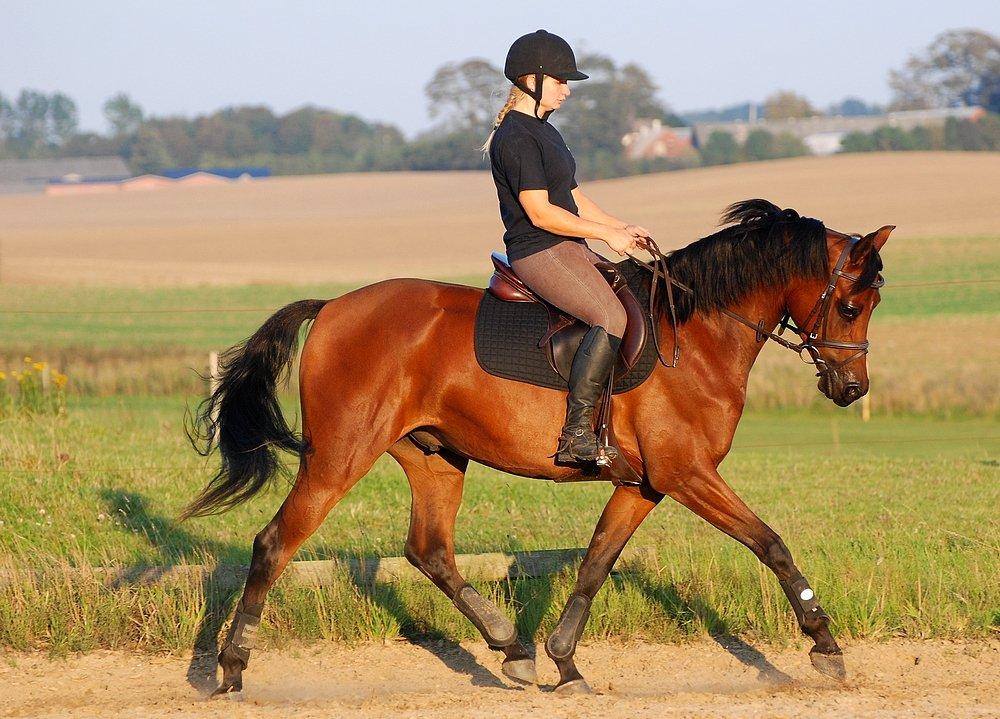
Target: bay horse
[{"x": 396, "y": 358}]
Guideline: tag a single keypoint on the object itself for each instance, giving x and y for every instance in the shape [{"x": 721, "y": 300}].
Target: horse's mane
[{"x": 766, "y": 248}]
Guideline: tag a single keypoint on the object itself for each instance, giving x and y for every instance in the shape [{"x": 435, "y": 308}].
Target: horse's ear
[{"x": 873, "y": 240}]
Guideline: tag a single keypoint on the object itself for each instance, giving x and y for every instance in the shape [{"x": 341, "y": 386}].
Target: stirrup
[{"x": 603, "y": 457}]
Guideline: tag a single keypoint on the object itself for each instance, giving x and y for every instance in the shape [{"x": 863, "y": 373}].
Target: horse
[{"x": 391, "y": 362}]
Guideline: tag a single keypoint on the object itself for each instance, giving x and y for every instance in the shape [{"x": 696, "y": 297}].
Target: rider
[{"x": 547, "y": 217}]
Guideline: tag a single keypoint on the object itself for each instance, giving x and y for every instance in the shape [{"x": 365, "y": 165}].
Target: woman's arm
[
  {"x": 590, "y": 211},
  {"x": 558, "y": 221}
]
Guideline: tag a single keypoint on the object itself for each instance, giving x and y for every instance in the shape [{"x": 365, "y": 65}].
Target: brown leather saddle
[{"x": 565, "y": 332}]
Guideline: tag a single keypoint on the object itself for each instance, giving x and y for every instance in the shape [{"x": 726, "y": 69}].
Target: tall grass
[{"x": 892, "y": 521}]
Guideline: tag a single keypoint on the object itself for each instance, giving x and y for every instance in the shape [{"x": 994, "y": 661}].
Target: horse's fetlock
[{"x": 497, "y": 629}]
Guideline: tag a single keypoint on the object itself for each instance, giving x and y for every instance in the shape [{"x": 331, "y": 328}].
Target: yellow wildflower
[
  {"x": 3, "y": 376},
  {"x": 59, "y": 379},
  {"x": 39, "y": 366},
  {"x": 28, "y": 360}
]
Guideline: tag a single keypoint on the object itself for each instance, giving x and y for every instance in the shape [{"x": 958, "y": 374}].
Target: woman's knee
[{"x": 616, "y": 320}]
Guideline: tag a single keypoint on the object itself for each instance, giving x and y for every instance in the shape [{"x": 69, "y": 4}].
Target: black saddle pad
[{"x": 507, "y": 335}]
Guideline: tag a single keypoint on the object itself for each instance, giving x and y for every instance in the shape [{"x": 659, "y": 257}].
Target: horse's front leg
[
  {"x": 623, "y": 513},
  {"x": 706, "y": 494}
]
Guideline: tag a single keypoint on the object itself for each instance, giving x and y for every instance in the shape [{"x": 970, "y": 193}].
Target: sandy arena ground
[
  {"x": 901, "y": 679},
  {"x": 357, "y": 227}
]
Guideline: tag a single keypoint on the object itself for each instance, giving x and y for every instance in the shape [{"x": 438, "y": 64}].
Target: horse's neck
[{"x": 728, "y": 346}]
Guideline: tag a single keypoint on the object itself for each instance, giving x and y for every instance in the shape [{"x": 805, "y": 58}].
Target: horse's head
[{"x": 832, "y": 315}]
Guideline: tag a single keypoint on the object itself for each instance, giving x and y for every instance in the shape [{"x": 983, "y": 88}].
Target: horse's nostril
[{"x": 852, "y": 391}]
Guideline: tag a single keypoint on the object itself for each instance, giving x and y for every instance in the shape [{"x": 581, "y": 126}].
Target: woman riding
[{"x": 547, "y": 217}]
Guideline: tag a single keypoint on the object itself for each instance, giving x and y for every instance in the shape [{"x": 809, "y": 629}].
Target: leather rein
[{"x": 813, "y": 338}]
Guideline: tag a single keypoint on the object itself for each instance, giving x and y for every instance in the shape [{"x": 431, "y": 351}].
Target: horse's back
[{"x": 396, "y": 322}]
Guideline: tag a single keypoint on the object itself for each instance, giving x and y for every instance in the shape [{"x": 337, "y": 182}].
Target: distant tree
[
  {"x": 857, "y": 142},
  {"x": 788, "y": 145},
  {"x": 149, "y": 152},
  {"x": 89, "y": 144},
  {"x": 7, "y": 119},
  {"x": 853, "y": 107},
  {"x": 465, "y": 95},
  {"x": 63, "y": 117},
  {"x": 445, "y": 151},
  {"x": 123, "y": 115},
  {"x": 892, "y": 138},
  {"x": 759, "y": 145},
  {"x": 960, "y": 67},
  {"x": 721, "y": 148},
  {"x": 786, "y": 104},
  {"x": 177, "y": 134},
  {"x": 30, "y": 120},
  {"x": 966, "y": 135}
]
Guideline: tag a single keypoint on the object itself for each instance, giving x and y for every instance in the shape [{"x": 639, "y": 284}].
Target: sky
[{"x": 374, "y": 58}]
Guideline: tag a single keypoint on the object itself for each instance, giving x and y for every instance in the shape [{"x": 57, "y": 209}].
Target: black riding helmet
[{"x": 540, "y": 53}]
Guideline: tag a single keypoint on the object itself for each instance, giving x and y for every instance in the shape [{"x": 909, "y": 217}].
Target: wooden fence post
[{"x": 213, "y": 380}]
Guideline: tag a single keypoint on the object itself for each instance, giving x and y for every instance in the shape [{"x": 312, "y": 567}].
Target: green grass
[
  {"x": 212, "y": 318},
  {"x": 893, "y": 521}
]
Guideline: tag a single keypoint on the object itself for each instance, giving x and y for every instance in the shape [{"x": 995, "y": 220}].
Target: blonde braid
[{"x": 512, "y": 98}]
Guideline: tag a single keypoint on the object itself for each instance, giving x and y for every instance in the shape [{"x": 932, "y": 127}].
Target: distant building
[
  {"x": 35, "y": 175},
  {"x": 822, "y": 134},
  {"x": 650, "y": 139},
  {"x": 231, "y": 173}
]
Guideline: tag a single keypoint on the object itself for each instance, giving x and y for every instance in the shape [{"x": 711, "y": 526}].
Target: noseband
[{"x": 813, "y": 337}]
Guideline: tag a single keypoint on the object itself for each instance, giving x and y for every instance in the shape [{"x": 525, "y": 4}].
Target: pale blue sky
[{"x": 373, "y": 58}]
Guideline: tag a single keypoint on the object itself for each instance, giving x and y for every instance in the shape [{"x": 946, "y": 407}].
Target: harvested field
[{"x": 357, "y": 227}]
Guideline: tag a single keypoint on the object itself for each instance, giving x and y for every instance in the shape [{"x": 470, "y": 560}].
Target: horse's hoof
[
  {"x": 520, "y": 670},
  {"x": 228, "y": 693},
  {"x": 829, "y": 665},
  {"x": 576, "y": 686}
]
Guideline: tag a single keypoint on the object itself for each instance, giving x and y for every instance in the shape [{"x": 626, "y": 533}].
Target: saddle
[
  {"x": 565, "y": 332},
  {"x": 560, "y": 342}
]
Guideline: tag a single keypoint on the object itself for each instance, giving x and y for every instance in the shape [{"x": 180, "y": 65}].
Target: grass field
[
  {"x": 932, "y": 343},
  {"x": 892, "y": 520}
]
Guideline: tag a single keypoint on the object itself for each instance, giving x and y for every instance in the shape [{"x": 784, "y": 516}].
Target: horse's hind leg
[
  {"x": 322, "y": 481},
  {"x": 436, "y": 482}
]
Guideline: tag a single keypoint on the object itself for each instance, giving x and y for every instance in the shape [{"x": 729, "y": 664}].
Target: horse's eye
[{"x": 848, "y": 312}]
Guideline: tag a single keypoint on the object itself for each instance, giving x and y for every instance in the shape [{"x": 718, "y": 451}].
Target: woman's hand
[
  {"x": 640, "y": 233},
  {"x": 619, "y": 240}
]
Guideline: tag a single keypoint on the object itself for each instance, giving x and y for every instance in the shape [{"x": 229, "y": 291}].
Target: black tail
[{"x": 243, "y": 418}]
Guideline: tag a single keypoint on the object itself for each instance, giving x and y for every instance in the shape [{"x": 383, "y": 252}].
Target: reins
[
  {"x": 813, "y": 337},
  {"x": 659, "y": 268}
]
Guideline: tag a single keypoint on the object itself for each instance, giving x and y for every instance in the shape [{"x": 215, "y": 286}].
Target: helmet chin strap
[{"x": 537, "y": 95}]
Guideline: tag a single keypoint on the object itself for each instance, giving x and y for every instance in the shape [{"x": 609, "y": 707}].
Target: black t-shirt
[{"x": 529, "y": 154}]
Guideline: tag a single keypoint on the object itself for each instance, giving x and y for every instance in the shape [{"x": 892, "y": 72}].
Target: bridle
[{"x": 813, "y": 336}]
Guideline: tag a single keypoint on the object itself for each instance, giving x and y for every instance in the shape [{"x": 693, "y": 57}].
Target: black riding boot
[{"x": 587, "y": 379}]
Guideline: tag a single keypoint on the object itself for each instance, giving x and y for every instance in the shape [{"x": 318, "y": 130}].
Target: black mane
[{"x": 766, "y": 248}]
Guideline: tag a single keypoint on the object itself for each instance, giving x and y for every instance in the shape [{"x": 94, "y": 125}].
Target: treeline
[
  {"x": 721, "y": 148},
  {"x": 958, "y": 68},
  {"x": 955, "y": 134},
  {"x": 463, "y": 97}
]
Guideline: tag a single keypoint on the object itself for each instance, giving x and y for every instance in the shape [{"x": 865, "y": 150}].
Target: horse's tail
[{"x": 242, "y": 417}]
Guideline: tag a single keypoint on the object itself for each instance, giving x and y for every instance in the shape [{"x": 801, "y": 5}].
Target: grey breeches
[{"x": 565, "y": 276}]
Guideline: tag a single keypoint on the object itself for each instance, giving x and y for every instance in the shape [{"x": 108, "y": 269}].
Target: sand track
[{"x": 900, "y": 679}]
